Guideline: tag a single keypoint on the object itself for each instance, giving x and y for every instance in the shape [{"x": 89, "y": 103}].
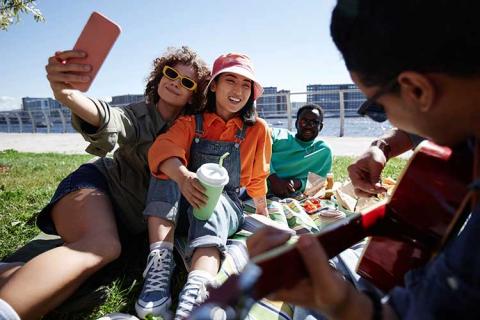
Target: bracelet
[
  {"x": 384, "y": 146},
  {"x": 377, "y": 305},
  {"x": 292, "y": 182}
]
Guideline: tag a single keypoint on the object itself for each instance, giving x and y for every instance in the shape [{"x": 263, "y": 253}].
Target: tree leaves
[{"x": 10, "y": 11}]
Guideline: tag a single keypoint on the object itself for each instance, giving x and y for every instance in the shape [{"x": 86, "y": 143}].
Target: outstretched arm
[{"x": 60, "y": 74}]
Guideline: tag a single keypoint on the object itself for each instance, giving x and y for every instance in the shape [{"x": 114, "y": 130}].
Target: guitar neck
[{"x": 285, "y": 263}]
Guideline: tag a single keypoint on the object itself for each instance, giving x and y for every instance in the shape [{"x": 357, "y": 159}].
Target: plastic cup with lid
[{"x": 213, "y": 177}]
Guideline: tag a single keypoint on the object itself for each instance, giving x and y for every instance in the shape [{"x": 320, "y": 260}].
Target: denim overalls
[{"x": 164, "y": 199}]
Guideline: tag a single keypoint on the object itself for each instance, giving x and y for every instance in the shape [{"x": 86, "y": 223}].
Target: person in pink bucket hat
[
  {"x": 240, "y": 64},
  {"x": 230, "y": 124}
]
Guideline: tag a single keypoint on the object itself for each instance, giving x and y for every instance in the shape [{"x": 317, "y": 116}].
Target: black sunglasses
[
  {"x": 374, "y": 110},
  {"x": 311, "y": 122}
]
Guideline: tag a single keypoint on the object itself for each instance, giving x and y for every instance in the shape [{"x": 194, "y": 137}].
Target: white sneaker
[{"x": 192, "y": 295}]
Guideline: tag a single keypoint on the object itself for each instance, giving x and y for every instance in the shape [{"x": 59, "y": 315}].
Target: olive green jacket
[{"x": 133, "y": 129}]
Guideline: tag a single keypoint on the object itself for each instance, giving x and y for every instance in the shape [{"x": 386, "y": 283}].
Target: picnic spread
[{"x": 308, "y": 212}]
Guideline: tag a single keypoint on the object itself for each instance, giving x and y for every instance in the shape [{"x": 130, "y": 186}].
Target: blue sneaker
[{"x": 155, "y": 296}]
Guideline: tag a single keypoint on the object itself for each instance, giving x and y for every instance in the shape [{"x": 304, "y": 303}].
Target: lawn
[{"x": 28, "y": 180}]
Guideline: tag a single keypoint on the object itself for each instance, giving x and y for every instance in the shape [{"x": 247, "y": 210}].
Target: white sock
[
  {"x": 161, "y": 244},
  {"x": 7, "y": 312},
  {"x": 204, "y": 275},
  {"x": 192, "y": 293}
]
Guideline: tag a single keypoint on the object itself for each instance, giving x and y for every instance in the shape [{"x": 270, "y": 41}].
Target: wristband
[
  {"x": 384, "y": 146},
  {"x": 377, "y": 305}
]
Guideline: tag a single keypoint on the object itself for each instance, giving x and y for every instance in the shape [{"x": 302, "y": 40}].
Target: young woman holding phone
[{"x": 93, "y": 202}]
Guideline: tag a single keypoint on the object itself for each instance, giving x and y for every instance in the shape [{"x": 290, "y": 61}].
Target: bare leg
[
  {"x": 7, "y": 270},
  {"x": 160, "y": 229},
  {"x": 206, "y": 259},
  {"x": 85, "y": 221}
]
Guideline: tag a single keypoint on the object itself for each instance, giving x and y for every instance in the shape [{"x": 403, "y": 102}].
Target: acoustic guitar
[{"x": 405, "y": 231}]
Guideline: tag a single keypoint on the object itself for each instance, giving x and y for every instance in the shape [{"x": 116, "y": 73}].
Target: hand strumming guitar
[{"x": 324, "y": 290}]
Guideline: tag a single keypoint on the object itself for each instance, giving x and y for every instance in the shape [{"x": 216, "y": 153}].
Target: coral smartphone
[{"x": 96, "y": 39}]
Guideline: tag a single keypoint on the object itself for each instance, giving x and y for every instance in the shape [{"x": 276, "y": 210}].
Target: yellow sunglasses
[{"x": 173, "y": 75}]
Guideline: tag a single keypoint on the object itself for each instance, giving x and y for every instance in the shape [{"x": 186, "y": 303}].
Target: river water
[{"x": 353, "y": 127}]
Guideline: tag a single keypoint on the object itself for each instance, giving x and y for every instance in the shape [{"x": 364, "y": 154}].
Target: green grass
[
  {"x": 340, "y": 164},
  {"x": 27, "y": 182}
]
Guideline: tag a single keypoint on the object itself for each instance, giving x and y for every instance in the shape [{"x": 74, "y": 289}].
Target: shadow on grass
[{"x": 120, "y": 281}]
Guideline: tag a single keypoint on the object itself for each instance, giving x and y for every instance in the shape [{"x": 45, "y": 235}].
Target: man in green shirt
[{"x": 295, "y": 155}]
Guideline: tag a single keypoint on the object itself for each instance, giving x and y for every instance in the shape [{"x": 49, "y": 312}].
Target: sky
[{"x": 288, "y": 42}]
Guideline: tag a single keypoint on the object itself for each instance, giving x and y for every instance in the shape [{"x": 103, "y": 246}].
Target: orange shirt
[{"x": 255, "y": 149}]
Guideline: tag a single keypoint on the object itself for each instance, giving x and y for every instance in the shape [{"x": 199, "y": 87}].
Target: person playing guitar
[{"x": 418, "y": 64}]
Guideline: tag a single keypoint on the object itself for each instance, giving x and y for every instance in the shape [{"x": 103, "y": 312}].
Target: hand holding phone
[{"x": 96, "y": 40}]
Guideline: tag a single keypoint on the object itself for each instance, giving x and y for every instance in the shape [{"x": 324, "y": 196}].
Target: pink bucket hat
[{"x": 239, "y": 64}]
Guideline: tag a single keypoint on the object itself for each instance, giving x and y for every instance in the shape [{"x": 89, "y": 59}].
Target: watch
[{"x": 383, "y": 145}]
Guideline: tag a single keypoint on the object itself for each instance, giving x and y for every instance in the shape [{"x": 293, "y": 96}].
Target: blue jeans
[{"x": 165, "y": 201}]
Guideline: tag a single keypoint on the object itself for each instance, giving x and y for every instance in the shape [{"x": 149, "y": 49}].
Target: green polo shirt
[
  {"x": 133, "y": 129},
  {"x": 294, "y": 158}
]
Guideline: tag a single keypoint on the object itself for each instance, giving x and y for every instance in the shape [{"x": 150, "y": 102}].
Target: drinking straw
[{"x": 226, "y": 154}]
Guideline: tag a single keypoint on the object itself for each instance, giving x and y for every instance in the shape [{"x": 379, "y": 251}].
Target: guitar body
[{"x": 418, "y": 215}]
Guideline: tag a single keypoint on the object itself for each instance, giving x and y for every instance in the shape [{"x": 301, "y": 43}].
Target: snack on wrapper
[
  {"x": 389, "y": 184},
  {"x": 311, "y": 205},
  {"x": 346, "y": 197},
  {"x": 344, "y": 193},
  {"x": 365, "y": 202}
]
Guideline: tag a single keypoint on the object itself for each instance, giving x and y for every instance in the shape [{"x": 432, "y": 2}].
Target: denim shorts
[
  {"x": 165, "y": 201},
  {"x": 87, "y": 176}
]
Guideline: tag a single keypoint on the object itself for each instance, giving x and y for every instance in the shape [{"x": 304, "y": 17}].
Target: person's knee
[
  {"x": 111, "y": 247},
  {"x": 106, "y": 246}
]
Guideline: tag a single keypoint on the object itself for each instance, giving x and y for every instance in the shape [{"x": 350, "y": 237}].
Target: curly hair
[{"x": 172, "y": 57}]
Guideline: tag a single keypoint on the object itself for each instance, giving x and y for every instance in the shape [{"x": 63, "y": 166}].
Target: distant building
[
  {"x": 282, "y": 100},
  {"x": 126, "y": 99},
  {"x": 328, "y": 96},
  {"x": 267, "y": 103},
  {"x": 38, "y": 113},
  {"x": 40, "y": 104},
  {"x": 295, "y": 106},
  {"x": 272, "y": 102}
]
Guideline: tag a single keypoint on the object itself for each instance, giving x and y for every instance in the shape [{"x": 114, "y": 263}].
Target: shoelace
[
  {"x": 158, "y": 271},
  {"x": 194, "y": 293}
]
